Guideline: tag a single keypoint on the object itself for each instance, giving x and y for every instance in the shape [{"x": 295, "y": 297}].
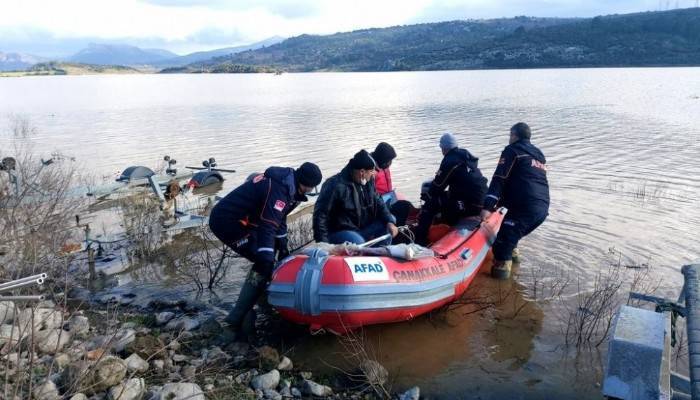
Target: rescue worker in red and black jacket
[
  {"x": 519, "y": 184},
  {"x": 252, "y": 220},
  {"x": 457, "y": 191}
]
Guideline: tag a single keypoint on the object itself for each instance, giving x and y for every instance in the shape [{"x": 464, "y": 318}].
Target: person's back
[
  {"x": 526, "y": 188},
  {"x": 457, "y": 190},
  {"x": 519, "y": 184},
  {"x": 463, "y": 178}
]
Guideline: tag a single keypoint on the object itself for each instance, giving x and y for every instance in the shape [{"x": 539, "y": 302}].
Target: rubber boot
[
  {"x": 501, "y": 269},
  {"x": 253, "y": 287},
  {"x": 516, "y": 256}
]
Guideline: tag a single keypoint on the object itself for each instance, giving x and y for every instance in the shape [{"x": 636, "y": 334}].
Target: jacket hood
[{"x": 284, "y": 176}]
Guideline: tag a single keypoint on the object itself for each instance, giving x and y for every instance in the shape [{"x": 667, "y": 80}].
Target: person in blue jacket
[
  {"x": 519, "y": 184},
  {"x": 252, "y": 221},
  {"x": 457, "y": 191}
]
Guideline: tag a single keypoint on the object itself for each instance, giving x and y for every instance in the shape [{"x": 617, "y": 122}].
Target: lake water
[{"x": 622, "y": 145}]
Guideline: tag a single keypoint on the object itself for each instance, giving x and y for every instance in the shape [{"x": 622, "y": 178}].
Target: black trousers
[
  {"x": 451, "y": 212},
  {"x": 515, "y": 226}
]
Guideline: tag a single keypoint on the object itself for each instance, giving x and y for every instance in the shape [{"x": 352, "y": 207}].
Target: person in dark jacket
[
  {"x": 519, "y": 184},
  {"x": 252, "y": 221},
  {"x": 457, "y": 191},
  {"x": 349, "y": 208}
]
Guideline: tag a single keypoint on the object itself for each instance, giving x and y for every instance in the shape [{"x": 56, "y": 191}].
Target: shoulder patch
[
  {"x": 279, "y": 205},
  {"x": 501, "y": 161},
  {"x": 258, "y": 178}
]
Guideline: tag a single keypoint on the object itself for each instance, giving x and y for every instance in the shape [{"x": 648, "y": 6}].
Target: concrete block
[{"x": 637, "y": 363}]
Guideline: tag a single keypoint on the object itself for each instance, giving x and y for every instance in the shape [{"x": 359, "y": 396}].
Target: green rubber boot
[
  {"x": 501, "y": 269},
  {"x": 516, "y": 256},
  {"x": 239, "y": 318}
]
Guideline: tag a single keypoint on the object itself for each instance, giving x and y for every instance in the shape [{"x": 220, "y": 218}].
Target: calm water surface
[{"x": 623, "y": 148}]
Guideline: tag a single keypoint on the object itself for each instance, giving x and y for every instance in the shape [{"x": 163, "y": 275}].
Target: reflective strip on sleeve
[{"x": 262, "y": 249}]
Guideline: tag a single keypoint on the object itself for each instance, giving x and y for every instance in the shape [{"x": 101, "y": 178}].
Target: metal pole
[
  {"x": 19, "y": 285},
  {"x": 22, "y": 298},
  {"x": 32, "y": 278},
  {"x": 691, "y": 273},
  {"x": 375, "y": 240}
]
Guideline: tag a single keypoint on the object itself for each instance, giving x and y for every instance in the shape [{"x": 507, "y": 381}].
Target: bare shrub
[
  {"x": 589, "y": 319},
  {"x": 201, "y": 257},
  {"x": 364, "y": 372},
  {"x": 142, "y": 221}
]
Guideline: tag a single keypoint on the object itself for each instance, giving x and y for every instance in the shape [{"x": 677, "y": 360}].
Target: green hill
[{"x": 652, "y": 38}]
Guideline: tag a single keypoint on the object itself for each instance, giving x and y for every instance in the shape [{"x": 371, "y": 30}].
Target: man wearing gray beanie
[{"x": 457, "y": 191}]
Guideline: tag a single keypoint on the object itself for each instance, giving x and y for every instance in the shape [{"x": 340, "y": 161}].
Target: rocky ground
[{"x": 109, "y": 352}]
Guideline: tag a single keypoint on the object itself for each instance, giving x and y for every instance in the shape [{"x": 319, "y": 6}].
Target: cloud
[
  {"x": 47, "y": 27},
  {"x": 283, "y": 8}
]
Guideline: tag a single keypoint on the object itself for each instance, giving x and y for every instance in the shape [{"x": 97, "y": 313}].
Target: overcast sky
[{"x": 56, "y": 27}]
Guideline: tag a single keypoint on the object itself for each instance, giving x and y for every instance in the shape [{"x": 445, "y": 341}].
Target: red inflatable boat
[{"x": 341, "y": 293}]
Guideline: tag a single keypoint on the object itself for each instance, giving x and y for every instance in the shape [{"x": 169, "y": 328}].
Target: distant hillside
[
  {"x": 63, "y": 68},
  {"x": 206, "y": 55},
  {"x": 17, "y": 61},
  {"x": 119, "y": 54},
  {"x": 653, "y": 38}
]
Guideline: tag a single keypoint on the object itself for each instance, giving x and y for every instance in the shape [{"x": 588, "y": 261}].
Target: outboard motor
[
  {"x": 170, "y": 170},
  {"x": 206, "y": 177}
]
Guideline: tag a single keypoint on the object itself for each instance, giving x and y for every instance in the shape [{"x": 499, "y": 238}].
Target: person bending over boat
[
  {"x": 349, "y": 209},
  {"x": 457, "y": 191},
  {"x": 252, "y": 220},
  {"x": 519, "y": 184}
]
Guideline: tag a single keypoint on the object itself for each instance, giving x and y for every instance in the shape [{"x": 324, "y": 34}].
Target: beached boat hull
[{"x": 341, "y": 293}]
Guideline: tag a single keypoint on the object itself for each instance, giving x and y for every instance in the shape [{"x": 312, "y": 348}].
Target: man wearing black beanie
[
  {"x": 349, "y": 208},
  {"x": 252, "y": 220}
]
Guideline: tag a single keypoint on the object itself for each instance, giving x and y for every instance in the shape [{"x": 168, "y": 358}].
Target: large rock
[
  {"x": 164, "y": 317},
  {"x": 130, "y": 389},
  {"x": 52, "y": 341},
  {"x": 411, "y": 394},
  {"x": 79, "y": 396},
  {"x": 374, "y": 372},
  {"x": 181, "y": 391},
  {"x": 122, "y": 339},
  {"x": 78, "y": 325},
  {"x": 146, "y": 346},
  {"x": 134, "y": 363},
  {"x": 108, "y": 372},
  {"x": 272, "y": 394},
  {"x": 44, "y": 318},
  {"x": 215, "y": 356},
  {"x": 316, "y": 389},
  {"x": 46, "y": 391},
  {"x": 7, "y": 311},
  {"x": 269, "y": 380},
  {"x": 285, "y": 364},
  {"x": 11, "y": 334},
  {"x": 182, "y": 324},
  {"x": 268, "y": 358}
]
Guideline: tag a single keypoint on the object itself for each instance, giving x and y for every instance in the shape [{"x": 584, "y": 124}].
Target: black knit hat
[
  {"x": 362, "y": 160},
  {"x": 383, "y": 153},
  {"x": 308, "y": 174}
]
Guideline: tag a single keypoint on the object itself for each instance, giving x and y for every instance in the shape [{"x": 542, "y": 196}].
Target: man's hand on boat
[
  {"x": 485, "y": 214},
  {"x": 392, "y": 229}
]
